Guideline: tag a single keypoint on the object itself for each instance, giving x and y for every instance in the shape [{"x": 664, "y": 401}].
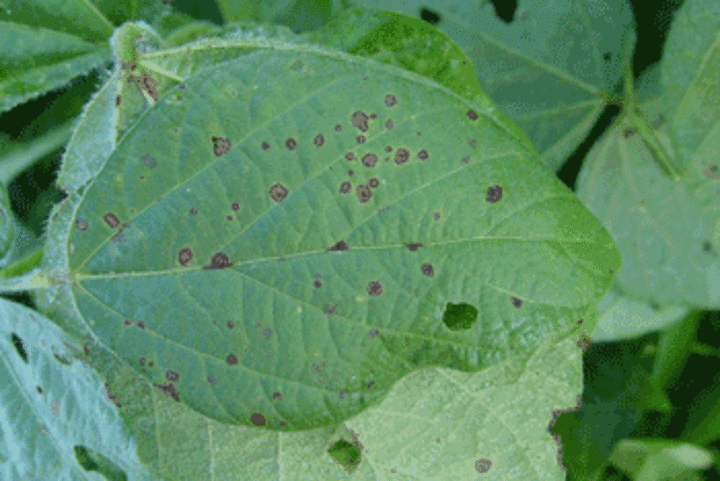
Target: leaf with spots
[
  {"x": 573, "y": 50},
  {"x": 225, "y": 207},
  {"x": 56, "y": 406}
]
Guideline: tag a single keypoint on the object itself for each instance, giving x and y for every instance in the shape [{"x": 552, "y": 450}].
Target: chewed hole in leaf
[
  {"x": 346, "y": 453},
  {"x": 19, "y": 347},
  {"x": 460, "y": 317}
]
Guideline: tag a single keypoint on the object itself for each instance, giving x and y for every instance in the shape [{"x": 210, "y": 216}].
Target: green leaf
[
  {"x": 663, "y": 232},
  {"x": 550, "y": 71},
  {"x": 298, "y": 15},
  {"x": 7, "y": 224},
  {"x": 221, "y": 242},
  {"x": 660, "y": 459},
  {"x": 690, "y": 69},
  {"x": 54, "y": 405}
]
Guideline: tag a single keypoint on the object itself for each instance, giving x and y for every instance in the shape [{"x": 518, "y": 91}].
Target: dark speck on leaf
[
  {"x": 389, "y": 124},
  {"x": 221, "y": 146},
  {"x": 423, "y": 155},
  {"x": 290, "y": 144},
  {"x": 235, "y": 206},
  {"x": 413, "y": 247},
  {"x": 345, "y": 187},
  {"x": 390, "y": 100},
  {"x": 170, "y": 390},
  {"x": 373, "y": 116},
  {"x": 401, "y": 156},
  {"x": 360, "y": 121},
  {"x": 193, "y": 211},
  {"x": 363, "y": 193},
  {"x": 427, "y": 269},
  {"x": 436, "y": 215},
  {"x": 373, "y": 333},
  {"x": 482, "y": 466},
  {"x": 111, "y": 220},
  {"x": 210, "y": 380},
  {"x": 361, "y": 139},
  {"x": 141, "y": 325},
  {"x": 317, "y": 284},
  {"x": 80, "y": 224},
  {"x": 373, "y": 183},
  {"x": 319, "y": 140},
  {"x": 219, "y": 261},
  {"x": 118, "y": 99},
  {"x": 278, "y": 192},
  {"x": 494, "y": 194},
  {"x": 185, "y": 256},
  {"x": 265, "y": 146},
  {"x": 472, "y": 115},
  {"x": 374, "y": 288},
  {"x": 369, "y": 160},
  {"x": 339, "y": 246},
  {"x": 230, "y": 324},
  {"x": 257, "y": 419},
  {"x": 126, "y": 322},
  {"x": 338, "y": 128},
  {"x": 516, "y": 302},
  {"x": 172, "y": 376},
  {"x": 350, "y": 156},
  {"x": 388, "y": 149},
  {"x": 231, "y": 360},
  {"x": 267, "y": 333},
  {"x": 277, "y": 396},
  {"x": 350, "y": 173}
]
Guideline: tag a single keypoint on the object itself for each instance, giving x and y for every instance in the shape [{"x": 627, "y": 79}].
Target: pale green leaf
[
  {"x": 52, "y": 405},
  {"x": 298, "y": 15}
]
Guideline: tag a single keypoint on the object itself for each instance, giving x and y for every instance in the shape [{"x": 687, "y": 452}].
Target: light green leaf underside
[
  {"x": 51, "y": 407},
  {"x": 548, "y": 70},
  {"x": 330, "y": 331},
  {"x": 664, "y": 233},
  {"x": 690, "y": 69}
]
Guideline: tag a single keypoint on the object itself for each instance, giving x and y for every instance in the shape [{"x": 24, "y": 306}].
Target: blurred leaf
[
  {"x": 551, "y": 70},
  {"x": 660, "y": 459},
  {"x": 703, "y": 424},
  {"x": 299, "y": 15},
  {"x": 53, "y": 405},
  {"x": 7, "y": 224}
]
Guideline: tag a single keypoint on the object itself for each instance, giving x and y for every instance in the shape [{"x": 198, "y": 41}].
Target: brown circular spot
[
  {"x": 373, "y": 116},
  {"x": 350, "y": 156},
  {"x": 373, "y": 182},
  {"x": 369, "y": 160},
  {"x": 277, "y": 396},
  {"x": 494, "y": 194},
  {"x": 319, "y": 140},
  {"x": 360, "y": 139},
  {"x": 265, "y": 146},
  {"x": 235, "y": 206},
  {"x": 317, "y": 284},
  {"x": 231, "y": 359},
  {"x": 228, "y": 217},
  {"x": 290, "y": 144},
  {"x": 338, "y": 128},
  {"x": 516, "y": 302},
  {"x": 219, "y": 261},
  {"x": 363, "y": 192},
  {"x": 374, "y": 288},
  {"x": 389, "y": 124},
  {"x": 388, "y": 149},
  {"x": 221, "y": 146},
  {"x": 111, "y": 220},
  {"x": 80, "y": 224},
  {"x": 193, "y": 211},
  {"x": 423, "y": 155},
  {"x": 482, "y": 466},
  {"x": 427, "y": 269},
  {"x": 360, "y": 121},
  {"x": 257, "y": 419},
  {"x": 142, "y": 361},
  {"x": 436, "y": 215},
  {"x": 278, "y": 192},
  {"x": 345, "y": 187},
  {"x": 350, "y": 173},
  {"x": 172, "y": 375},
  {"x": 390, "y": 100},
  {"x": 401, "y": 156},
  {"x": 185, "y": 256},
  {"x": 472, "y": 115}
]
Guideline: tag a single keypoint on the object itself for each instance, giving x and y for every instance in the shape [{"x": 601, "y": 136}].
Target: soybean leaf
[
  {"x": 690, "y": 67},
  {"x": 572, "y": 51},
  {"x": 7, "y": 225},
  {"x": 298, "y": 15},
  {"x": 54, "y": 407},
  {"x": 287, "y": 234}
]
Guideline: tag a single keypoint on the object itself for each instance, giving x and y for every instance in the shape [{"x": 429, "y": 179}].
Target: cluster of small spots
[
  {"x": 278, "y": 192},
  {"x": 345, "y": 187},
  {"x": 235, "y": 206},
  {"x": 363, "y": 193},
  {"x": 369, "y": 160},
  {"x": 516, "y": 302},
  {"x": 185, "y": 256},
  {"x": 413, "y": 247},
  {"x": 401, "y": 156},
  {"x": 494, "y": 194},
  {"x": 389, "y": 124},
  {"x": 427, "y": 269},
  {"x": 319, "y": 140},
  {"x": 257, "y": 419},
  {"x": 80, "y": 224},
  {"x": 482, "y": 466},
  {"x": 118, "y": 99},
  {"x": 390, "y": 100},
  {"x": 360, "y": 121},
  {"x": 277, "y": 396},
  {"x": 172, "y": 376},
  {"x": 373, "y": 183},
  {"x": 219, "y": 261},
  {"x": 231, "y": 359},
  {"x": 221, "y": 146},
  {"x": 193, "y": 211},
  {"x": 111, "y": 220},
  {"x": 360, "y": 139},
  {"x": 423, "y": 155},
  {"x": 339, "y": 246},
  {"x": 291, "y": 143},
  {"x": 472, "y": 115},
  {"x": 374, "y": 288}
]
